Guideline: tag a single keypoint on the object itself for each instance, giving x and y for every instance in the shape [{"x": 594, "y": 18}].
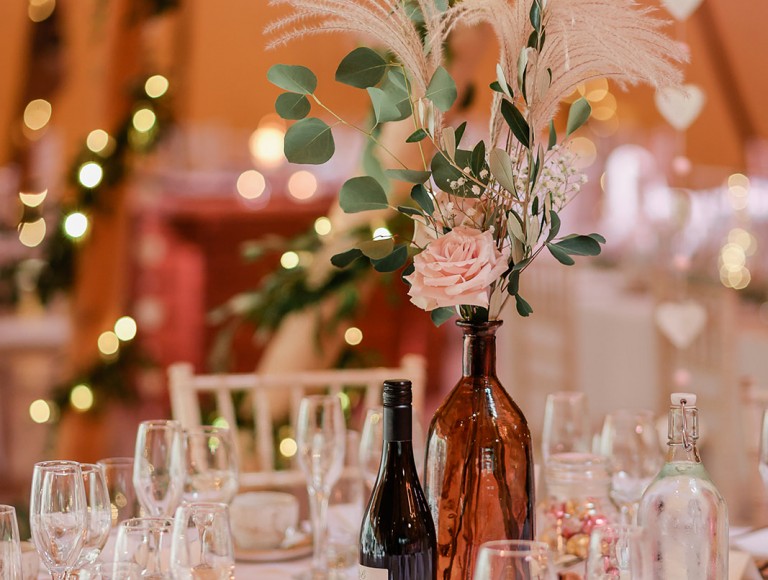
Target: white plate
[{"x": 275, "y": 554}]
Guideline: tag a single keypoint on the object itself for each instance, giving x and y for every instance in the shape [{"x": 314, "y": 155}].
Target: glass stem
[{"x": 318, "y": 507}]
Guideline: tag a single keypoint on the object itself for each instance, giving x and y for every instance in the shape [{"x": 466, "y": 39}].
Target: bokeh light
[
  {"x": 381, "y": 234},
  {"x": 143, "y": 120},
  {"x": 251, "y": 184},
  {"x": 156, "y": 86},
  {"x": 31, "y": 234},
  {"x": 90, "y": 174},
  {"x": 289, "y": 260},
  {"x": 33, "y": 199},
  {"x": 97, "y": 140},
  {"x": 81, "y": 397},
  {"x": 323, "y": 226},
  {"x": 40, "y": 411},
  {"x": 266, "y": 145},
  {"x": 288, "y": 447},
  {"x": 39, "y": 10},
  {"x": 75, "y": 225},
  {"x": 585, "y": 150},
  {"x": 108, "y": 343},
  {"x": 353, "y": 336},
  {"x": 37, "y": 114},
  {"x": 302, "y": 184},
  {"x": 125, "y": 328}
]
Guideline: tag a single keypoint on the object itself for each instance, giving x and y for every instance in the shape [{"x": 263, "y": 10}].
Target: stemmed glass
[
  {"x": 618, "y": 551},
  {"x": 99, "y": 514},
  {"x": 321, "y": 434},
  {"x": 58, "y": 514},
  {"x": 202, "y": 542},
  {"x": 630, "y": 442},
  {"x": 514, "y": 560},
  {"x": 10, "y": 549},
  {"x": 158, "y": 469},
  {"x": 211, "y": 465},
  {"x": 146, "y": 542},
  {"x": 118, "y": 473},
  {"x": 566, "y": 424}
]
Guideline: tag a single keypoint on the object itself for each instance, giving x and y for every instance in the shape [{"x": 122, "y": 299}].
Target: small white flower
[
  {"x": 483, "y": 174},
  {"x": 461, "y": 181},
  {"x": 454, "y": 185},
  {"x": 476, "y": 189}
]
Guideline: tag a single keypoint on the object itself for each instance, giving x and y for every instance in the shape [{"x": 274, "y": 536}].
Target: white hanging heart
[
  {"x": 680, "y": 106},
  {"x": 681, "y": 322},
  {"x": 681, "y": 9}
]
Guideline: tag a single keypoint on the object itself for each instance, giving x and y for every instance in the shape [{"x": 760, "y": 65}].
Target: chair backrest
[{"x": 258, "y": 404}]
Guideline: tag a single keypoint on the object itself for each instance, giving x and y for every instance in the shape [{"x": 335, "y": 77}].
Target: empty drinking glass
[
  {"x": 10, "y": 549},
  {"x": 618, "y": 551},
  {"x": 211, "y": 464},
  {"x": 58, "y": 514},
  {"x": 202, "y": 542},
  {"x": 147, "y": 543},
  {"x": 514, "y": 560},
  {"x": 99, "y": 517},
  {"x": 566, "y": 424},
  {"x": 118, "y": 474},
  {"x": 117, "y": 571},
  {"x": 321, "y": 433},
  {"x": 158, "y": 469},
  {"x": 630, "y": 442}
]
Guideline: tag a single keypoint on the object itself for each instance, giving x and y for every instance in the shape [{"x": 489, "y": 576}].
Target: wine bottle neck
[
  {"x": 479, "y": 354},
  {"x": 398, "y": 423}
]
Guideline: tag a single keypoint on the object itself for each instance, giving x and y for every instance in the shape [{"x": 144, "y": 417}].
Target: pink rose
[{"x": 457, "y": 268}]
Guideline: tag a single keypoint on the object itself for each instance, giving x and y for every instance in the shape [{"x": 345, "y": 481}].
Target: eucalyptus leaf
[
  {"x": 416, "y": 136},
  {"x": 514, "y": 283},
  {"x": 292, "y": 106},
  {"x": 444, "y": 172},
  {"x": 597, "y": 238},
  {"x": 409, "y": 175},
  {"x": 522, "y": 66},
  {"x": 535, "y": 15},
  {"x": 393, "y": 261},
  {"x": 477, "y": 160},
  {"x": 521, "y": 264},
  {"x": 361, "y": 68},
  {"x": 293, "y": 78},
  {"x": 554, "y": 226},
  {"x": 578, "y": 115},
  {"x": 377, "y": 249},
  {"x": 442, "y": 315},
  {"x": 579, "y": 245},
  {"x": 409, "y": 211},
  {"x": 309, "y": 141},
  {"x": 394, "y": 86},
  {"x": 514, "y": 227},
  {"x": 460, "y": 132},
  {"x": 501, "y": 168},
  {"x": 344, "y": 259},
  {"x": 384, "y": 107},
  {"x": 449, "y": 141},
  {"x": 523, "y": 308},
  {"x": 560, "y": 255},
  {"x": 420, "y": 195},
  {"x": 442, "y": 89},
  {"x": 502, "y": 81},
  {"x": 362, "y": 194},
  {"x": 552, "y": 135},
  {"x": 517, "y": 123}
]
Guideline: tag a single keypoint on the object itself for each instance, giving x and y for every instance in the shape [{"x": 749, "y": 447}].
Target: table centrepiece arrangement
[{"x": 481, "y": 211}]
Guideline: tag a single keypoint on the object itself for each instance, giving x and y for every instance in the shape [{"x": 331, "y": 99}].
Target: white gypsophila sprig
[
  {"x": 559, "y": 178},
  {"x": 385, "y": 21}
]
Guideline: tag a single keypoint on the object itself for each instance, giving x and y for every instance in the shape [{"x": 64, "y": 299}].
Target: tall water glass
[
  {"x": 618, "y": 551},
  {"x": 202, "y": 542},
  {"x": 566, "y": 424},
  {"x": 631, "y": 443},
  {"x": 58, "y": 514},
  {"x": 321, "y": 433},
  {"x": 10, "y": 549},
  {"x": 99, "y": 516},
  {"x": 158, "y": 469},
  {"x": 211, "y": 465},
  {"x": 118, "y": 474},
  {"x": 147, "y": 543},
  {"x": 514, "y": 560}
]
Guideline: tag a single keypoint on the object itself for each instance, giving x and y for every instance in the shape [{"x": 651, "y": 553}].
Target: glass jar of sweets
[{"x": 575, "y": 500}]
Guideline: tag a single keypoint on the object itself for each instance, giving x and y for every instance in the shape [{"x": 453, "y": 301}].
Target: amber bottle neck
[{"x": 479, "y": 354}]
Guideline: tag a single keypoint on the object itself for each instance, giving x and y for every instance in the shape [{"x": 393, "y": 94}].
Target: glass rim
[
  {"x": 515, "y": 546},
  {"x": 91, "y": 467},
  {"x": 7, "y": 509},
  {"x": 154, "y": 423},
  {"x": 211, "y": 505},
  {"x": 64, "y": 465},
  {"x": 110, "y": 461},
  {"x": 145, "y": 521}
]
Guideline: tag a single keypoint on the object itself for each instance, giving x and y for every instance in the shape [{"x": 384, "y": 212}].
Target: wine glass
[
  {"x": 618, "y": 551},
  {"x": 211, "y": 465},
  {"x": 99, "y": 514},
  {"x": 158, "y": 469},
  {"x": 58, "y": 514},
  {"x": 118, "y": 474},
  {"x": 566, "y": 424},
  {"x": 630, "y": 442},
  {"x": 321, "y": 434},
  {"x": 10, "y": 549},
  {"x": 146, "y": 542},
  {"x": 514, "y": 560},
  {"x": 201, "y": 546}
]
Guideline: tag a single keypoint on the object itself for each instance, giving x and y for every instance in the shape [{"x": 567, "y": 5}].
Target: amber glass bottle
[{"x": 479, "y": 467}]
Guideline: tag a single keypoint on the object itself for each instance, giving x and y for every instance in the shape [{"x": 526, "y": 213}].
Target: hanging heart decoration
[
  {"x": 681, "y": 322},
  {"x": 681, "y": 9},
  {"x": 680, "y": 106}
]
